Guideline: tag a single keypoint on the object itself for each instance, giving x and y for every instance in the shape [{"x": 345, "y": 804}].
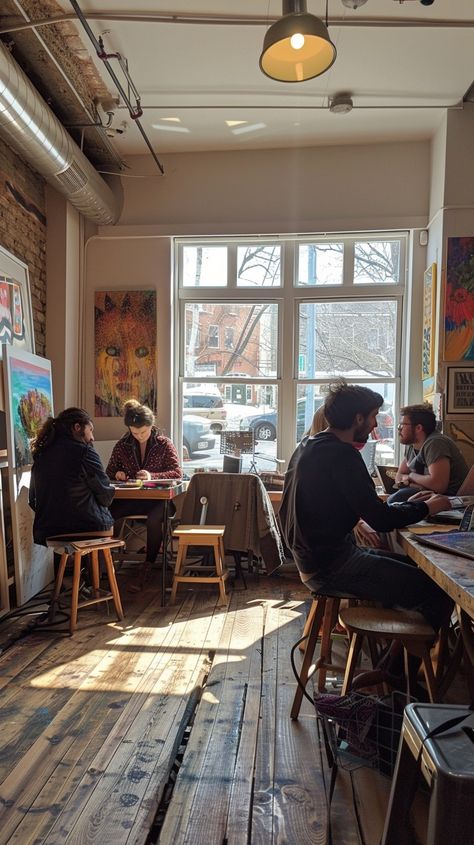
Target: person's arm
[
  {"x": 115, "y": 468},
  {"x": 169, "y": 462},
  {"x": 96, "y": 479},
  {"x": 402, "y": 471},
  {"x": 359, "y": 491},
  {"x": 437, "y": 477}
]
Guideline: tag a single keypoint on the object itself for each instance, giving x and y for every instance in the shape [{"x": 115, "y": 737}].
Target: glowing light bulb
[{"x": 297, "y": 41}]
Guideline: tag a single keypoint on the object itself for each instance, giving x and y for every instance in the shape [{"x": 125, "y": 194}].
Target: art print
[
  {"x": 29, "y": 400},
  {"x": 125, "y": 350}
]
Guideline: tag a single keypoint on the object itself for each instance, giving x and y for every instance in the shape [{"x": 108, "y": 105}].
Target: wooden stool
[
  {"x": 321, "y": 617},
  {"x": 200, "y": 535},
  {"x": 78, "y": 548},
  {"x": 407, "y": 627}
]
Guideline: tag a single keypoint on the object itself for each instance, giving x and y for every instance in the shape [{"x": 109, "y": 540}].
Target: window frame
[{"x": 288, "y": 298}]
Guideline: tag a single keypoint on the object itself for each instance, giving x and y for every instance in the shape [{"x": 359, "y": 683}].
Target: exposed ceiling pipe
[{"x": 29, "y": 126}]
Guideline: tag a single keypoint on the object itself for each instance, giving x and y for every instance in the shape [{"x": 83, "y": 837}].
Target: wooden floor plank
[{"x": 206, "y": 775}]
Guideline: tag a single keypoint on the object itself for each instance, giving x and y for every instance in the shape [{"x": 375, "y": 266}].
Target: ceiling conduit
[{"x": 29, "y": 126}]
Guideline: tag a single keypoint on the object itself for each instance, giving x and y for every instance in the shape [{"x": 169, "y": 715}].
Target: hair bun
[{"x": 131, "y": 404}]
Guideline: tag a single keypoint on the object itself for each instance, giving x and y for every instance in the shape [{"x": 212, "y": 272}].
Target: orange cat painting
[{"x": 125, "y": 350}]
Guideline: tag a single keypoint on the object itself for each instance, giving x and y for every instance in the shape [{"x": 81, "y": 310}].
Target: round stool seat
[{"x": 387, "y": 622}]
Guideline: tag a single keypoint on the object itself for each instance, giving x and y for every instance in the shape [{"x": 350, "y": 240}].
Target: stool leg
[
  {"x": 76, "y": 577},
  {"x": 95, "y": 573},
  {"x": 180, "y": 558},
  {"x": 308, "y": 623},
  {"x": 352, "y": 657},
  {"x": 396, "y": 830},
  {"x": 109, "y": 566},
  {"x": 330, "y": 618},
  {"x": 57, "y": 586},
  {"x": 218, "y": 548},
  {"x": 308, "y": 655}
]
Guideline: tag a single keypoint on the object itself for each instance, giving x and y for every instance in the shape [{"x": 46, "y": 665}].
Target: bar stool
[
  {"x": 200, "y": 535},
  {"x": 446, "y": 762},
  {"x": 322, "y": 618},
  {"x": 72, "y": 546},
  {"x": 407, "y": 627}
]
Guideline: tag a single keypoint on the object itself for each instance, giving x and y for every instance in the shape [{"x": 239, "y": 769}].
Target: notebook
[
  {"x": 386, "y": 476},
  {"x": 458, "y": 542}
]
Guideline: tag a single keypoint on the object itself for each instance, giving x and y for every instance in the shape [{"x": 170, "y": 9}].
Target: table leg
[{"x": 165, "y": 553}]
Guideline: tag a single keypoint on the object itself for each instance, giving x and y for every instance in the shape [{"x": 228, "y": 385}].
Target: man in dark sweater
[{"x": 328, "y": 489}]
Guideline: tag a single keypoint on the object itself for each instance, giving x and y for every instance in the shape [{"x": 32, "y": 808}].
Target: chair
[
  {"x": 241, "y": 504},
  {"x": 446, "y": 761},
  {"x": 68, "y": 545},
  {"x": 407, "y": 627}
]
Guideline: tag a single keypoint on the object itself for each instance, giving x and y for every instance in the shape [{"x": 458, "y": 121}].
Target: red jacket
[{"x": 161, "y": 457}]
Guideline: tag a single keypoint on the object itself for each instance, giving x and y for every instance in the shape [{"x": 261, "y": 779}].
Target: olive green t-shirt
[{"x": 438, "y": 446}]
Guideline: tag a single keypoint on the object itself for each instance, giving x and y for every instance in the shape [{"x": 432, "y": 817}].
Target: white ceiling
[{"x": 193, "y": 77}]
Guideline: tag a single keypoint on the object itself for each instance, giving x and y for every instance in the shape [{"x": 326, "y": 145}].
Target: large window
[{"x": 264, "y": 325}]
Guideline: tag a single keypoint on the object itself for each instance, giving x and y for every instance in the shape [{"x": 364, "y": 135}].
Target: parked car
[
  {"x": 209, "y": 405},
  {"x": 197, "y": 435},
  {"x": 264, "y": 423}
]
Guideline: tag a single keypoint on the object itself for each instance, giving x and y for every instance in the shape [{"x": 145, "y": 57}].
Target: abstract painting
[
  {"x": 16, "y": 326},
  {"x": 29, "y": 398},
  {"x": 459, "y": 301},
  {"x": 125, "y": 350}
]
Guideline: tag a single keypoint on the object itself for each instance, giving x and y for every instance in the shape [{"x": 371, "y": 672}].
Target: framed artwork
[
  {"x": 29, "y": 401},
  {"x": 429, "y": 322},
  {"x": 125, "y": 350},
  {"x": 16, "y": 323},
  {"x": 459, "y": 300},
  {"x": 460, "y": 390}
]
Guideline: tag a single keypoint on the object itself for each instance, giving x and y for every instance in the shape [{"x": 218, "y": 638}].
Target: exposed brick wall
[{"x": 23, "y": 229}]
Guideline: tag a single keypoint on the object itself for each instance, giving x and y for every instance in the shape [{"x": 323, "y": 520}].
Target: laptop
[
  {"x": 386, "y": 476},
  {"x": 457, "y": 542}
]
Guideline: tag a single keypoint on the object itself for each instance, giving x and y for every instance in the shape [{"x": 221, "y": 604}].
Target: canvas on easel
[{"x": 29, "y": 402}]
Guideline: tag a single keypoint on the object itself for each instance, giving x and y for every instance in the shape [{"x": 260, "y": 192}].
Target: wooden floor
[{"x": 96, "y": 728}]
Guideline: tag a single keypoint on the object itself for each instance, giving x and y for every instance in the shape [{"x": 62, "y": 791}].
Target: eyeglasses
[{"x": 404, "y": 425}]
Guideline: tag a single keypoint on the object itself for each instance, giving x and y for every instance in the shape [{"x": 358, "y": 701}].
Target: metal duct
[{"x": 29, "y": 126}]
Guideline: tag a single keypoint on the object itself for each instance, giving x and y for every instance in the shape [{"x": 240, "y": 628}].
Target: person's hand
[
  {"x": 367, "y": 535},
  {"x": 421, "y": 496},
  {"x": 144, "y": 474},
  {"x": 120, "y": 476},
  {"x": 437, "y": 503}
]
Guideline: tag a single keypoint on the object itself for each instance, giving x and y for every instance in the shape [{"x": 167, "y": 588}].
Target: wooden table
[
  {"x": 454, "y": 574},
  {"x": 165, "y": 495}
]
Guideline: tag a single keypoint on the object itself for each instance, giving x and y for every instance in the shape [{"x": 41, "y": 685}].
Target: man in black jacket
[
  {"x": 328, "y": 489},
  {"x": 69, "y": 490}
]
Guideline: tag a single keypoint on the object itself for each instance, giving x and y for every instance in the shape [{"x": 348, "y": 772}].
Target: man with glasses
[{"x": 432, "y": 461}]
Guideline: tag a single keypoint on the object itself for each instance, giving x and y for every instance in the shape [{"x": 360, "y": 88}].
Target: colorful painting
[
  {"x": 459, "y": 301},
  {"x": 16, "y": 326},
  {"x": 125, "y": 350},
  {"x": 30, "y": 401},
  {"x": 429, "y": 322}
]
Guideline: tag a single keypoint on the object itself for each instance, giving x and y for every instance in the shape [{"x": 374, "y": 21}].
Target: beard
[{"x": 361, "y": 435}]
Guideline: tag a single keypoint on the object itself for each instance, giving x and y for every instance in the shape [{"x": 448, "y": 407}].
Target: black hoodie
[{"x": 327, "y": 490}]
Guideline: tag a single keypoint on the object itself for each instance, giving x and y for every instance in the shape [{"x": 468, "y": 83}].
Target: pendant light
[{"x": 297, "y": 46}]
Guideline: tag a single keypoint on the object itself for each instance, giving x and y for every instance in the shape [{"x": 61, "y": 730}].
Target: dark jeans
[
  {"x": 388, "y": 578},
  {"x": 154, "y": 511}
]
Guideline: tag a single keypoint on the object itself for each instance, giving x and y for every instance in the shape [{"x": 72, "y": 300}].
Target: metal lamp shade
[{"x": 280, "y": 61}]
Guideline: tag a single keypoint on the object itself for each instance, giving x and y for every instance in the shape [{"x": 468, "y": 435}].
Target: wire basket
[{"x": 361, "y": 730}]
